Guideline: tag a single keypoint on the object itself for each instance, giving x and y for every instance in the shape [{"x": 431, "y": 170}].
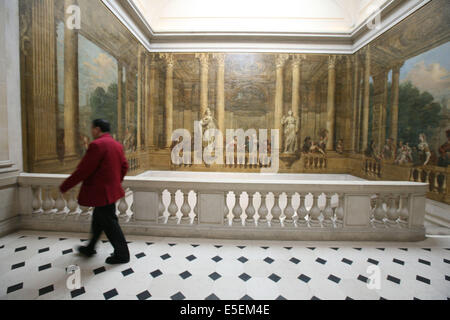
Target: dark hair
[{"x": 102, "y": 124}]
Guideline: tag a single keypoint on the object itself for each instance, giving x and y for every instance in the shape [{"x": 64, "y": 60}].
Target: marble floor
[{"x": 33, "y": 266}]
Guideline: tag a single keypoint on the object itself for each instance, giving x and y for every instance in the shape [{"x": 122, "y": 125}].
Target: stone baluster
[
  {"x": 85, "y": 212},
  {"x": 123, "y": 208},
  {"x": 195, "y": 210},
  {"x": 403, "y": 215},
  {"x": 339, "y": 212},
  {"x": 237, "y": 209},
  {"x": 250, "y": 211},
  {"x": 379, "y": 213},
  {"x": 185, "y": 208},
  {"x": 276, "y": 210},
  {"x": 60, "y": 205},
  {"x": 263, "y": 211},
  {"x": 48, "y": 203},
  {"x": 301, "y": 211},
  {"x": 289, "y": 210},
  {"x": 36, "y": 204},
  {"x": 392, "y": 212},
  {"x": 72, "y": 204},
  {"x": 226, "y": 210},
  {"x": 315, "y": 212},
  {"x": 328, "y": 212},
  {"x": 161, "y": 207},
  {"x": 173, "y": 208}
]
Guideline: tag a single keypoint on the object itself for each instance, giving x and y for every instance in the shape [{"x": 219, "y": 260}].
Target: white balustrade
[{"x": 290, "y": 207}]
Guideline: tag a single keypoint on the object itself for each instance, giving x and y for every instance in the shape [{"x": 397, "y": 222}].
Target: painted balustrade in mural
[
  {"x": 239, "y": 208},
  {"x": 437, "y": 178}
]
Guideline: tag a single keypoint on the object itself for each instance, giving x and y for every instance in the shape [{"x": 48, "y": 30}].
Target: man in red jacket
[{"x": 102, "y": 171}]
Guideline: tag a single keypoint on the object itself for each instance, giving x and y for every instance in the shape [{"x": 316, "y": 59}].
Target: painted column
[
  {"x": 280, "y": 60},
  {"x": 120, "y": 133},
  {"x": 355, "y": 104},
  {"x": 384, "y": 108},
  {"x": 296, "y": 74},
  {"x": 220, "y": 94},
  {"x": 139, "y": 98},
  {"x": 151, "y": 100},
  {"x": 204, "y": 67},
  {"x": 347, "y": 132},
  {"x": 169, "y": 59},
  {"x": 394, "y": 104},
  {"x": 71, "y": 97},
  {"x": 331, "y": 110},
  {"x": 365, "y": 118}
]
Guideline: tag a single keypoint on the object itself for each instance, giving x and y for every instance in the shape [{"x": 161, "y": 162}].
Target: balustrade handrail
[{"x": 360, "y": 186}]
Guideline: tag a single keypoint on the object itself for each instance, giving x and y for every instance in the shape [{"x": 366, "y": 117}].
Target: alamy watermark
[
  {"x": 207, "y": 147},
  {"x": 73, "y": 282}
]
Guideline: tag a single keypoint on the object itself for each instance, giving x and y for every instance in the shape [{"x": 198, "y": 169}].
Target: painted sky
[
  {"x": 430, "y": 71},
  {"x": 96, "y": 68}
]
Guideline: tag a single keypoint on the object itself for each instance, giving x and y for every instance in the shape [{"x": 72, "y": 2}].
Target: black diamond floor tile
[
  {"x": 304, "y": 278},
  {"x": 321, "y": 261},
  {"x": 363, "y": 278},
  {"x": 191, "y": 257},
  {"x": 212, "y": 297},
  {"x": 140, "y": 255},
  {"x": 127, "y": 272},
  {"x": 144, "y": 295},
  {"x": 428, "y": 263},
  {"x": 18, "y": 265},
  {"x": 165, "y": 256},
  {"x": 67, "y": 251},
  {"x": 294, "y": 260},
  {"x": 44, "y": 250},
  {"x": 373, "y": 261},
  {"x": 46, "y": 290},
  {"x": 214, "y": 276},
  {"x": 184, "y": 275},
  {"x": 334, "y": 278},
  {"x": 246, "y": 297},
  {"x": 243, "y": 259},
  {"x": 178, "y": 296},
  {"x": 20, "y": 249},
  {"x": 274, "y": 277},
  {"x": 77, "y": 292},
  {"x": 245, "y": 277},
  {"x": 216, "y": 259},
  {"x": 45, "y": 267},
  {"x": 423, "y": 279},
  {"x": 14, "y": 288},
  {"x": 393, "y": 279},
  {"x": 99, "y": 270},
  {"x": 347, "y": 261},
  {"x": 269, "y": 260},
  {"x": 110, "y": 294},
  {"x": 156, "y": 273},
  {"x": 398, "y": 261}
]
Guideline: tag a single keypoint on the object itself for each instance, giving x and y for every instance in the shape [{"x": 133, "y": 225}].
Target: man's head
[{"x": 100, "y": 127}]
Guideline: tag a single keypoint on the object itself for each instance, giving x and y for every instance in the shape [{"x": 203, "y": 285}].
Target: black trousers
[{"x": 105, "y": 219}]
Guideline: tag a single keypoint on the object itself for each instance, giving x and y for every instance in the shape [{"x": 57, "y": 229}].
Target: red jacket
[{"x": 102, "y": 171}]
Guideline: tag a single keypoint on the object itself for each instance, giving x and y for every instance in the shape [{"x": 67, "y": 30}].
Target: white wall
[{"x": 10, "y": 114}]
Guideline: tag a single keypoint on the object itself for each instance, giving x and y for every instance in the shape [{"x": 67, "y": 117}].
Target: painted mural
[{"x": 335, "y": 107}]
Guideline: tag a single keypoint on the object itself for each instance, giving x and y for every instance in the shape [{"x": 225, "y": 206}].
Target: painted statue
[
  {"x": 424, "y": 149},
  {"x": 206, "y": 123},
  {"x": 290, "y": 124}
]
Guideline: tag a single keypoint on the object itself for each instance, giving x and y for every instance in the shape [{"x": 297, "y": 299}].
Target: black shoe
[
  {"x": 116, "y": 260},
  {"x": 87, "y": 252}
]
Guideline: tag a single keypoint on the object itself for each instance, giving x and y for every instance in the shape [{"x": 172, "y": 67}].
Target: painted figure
[
  {"x": 424, "y": 149},
  {"x": 290, "y": 124}
]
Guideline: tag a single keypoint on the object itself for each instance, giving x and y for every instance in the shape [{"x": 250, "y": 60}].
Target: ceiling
[
  {"x": 260, "y": 16},
  {"x": 307, "y": 26}
]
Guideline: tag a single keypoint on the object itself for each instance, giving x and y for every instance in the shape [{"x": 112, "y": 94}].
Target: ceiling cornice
[{"x": 391, "y": 13}]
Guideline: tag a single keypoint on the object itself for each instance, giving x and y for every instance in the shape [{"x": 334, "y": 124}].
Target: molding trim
[
  {"x": 392, "y": 13},
  {"x": 10, "y": 225}
]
